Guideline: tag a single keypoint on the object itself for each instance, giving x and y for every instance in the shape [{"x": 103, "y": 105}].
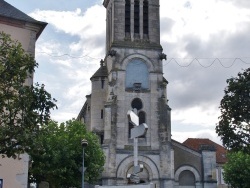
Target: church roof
[
  {"x": 197, "y": 143},
  {"x": 101, "y": 72},
  {"x": 165, "y": 80},
  {"x": 84, "y": 108},
  {"x": 10, "y": 12},
  {"x": 105, "y": 3}
]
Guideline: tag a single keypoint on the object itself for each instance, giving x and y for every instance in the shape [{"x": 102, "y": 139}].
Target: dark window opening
[
  {"x": 127, "y": 16},
  {"x": 142, "y": 119},
  {"x": 101, "y": 138},
  {"x": 142, "y": 181},
  {"x": 101, "y": 114},
  {"x": 137, "y": 17},
  {"x": 145, "y": 17},
  {"x": 130, "y": 126},
  {"x": 102, "y": 81},
  {"x": 136, "y": 104}
]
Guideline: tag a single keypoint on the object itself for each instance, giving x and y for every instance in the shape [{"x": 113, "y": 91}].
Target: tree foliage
[
  {"x": 237, "y": 170},
  {"x": 234, "y": 122},
  {"x": 59, "y": 155},
  {"x": 23, "y": 108}
]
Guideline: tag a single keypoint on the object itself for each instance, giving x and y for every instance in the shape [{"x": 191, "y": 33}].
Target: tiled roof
[{"x": 197, "y": 143}]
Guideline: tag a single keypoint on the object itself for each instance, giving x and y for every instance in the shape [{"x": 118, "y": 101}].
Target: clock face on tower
[{"x": 137, "y": 73}]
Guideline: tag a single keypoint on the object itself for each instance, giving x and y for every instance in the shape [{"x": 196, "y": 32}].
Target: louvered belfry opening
[
  {"x": 145, "y": 17},
  {"x": 137, "y": 21},
  {"x": 137, "y": 17},
  {"x": 127, "y": 16}
]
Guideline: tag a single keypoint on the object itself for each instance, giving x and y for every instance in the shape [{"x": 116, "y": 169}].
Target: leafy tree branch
[{"x": 23, "y": 108}]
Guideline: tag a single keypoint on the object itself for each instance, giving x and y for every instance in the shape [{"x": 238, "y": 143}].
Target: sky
[{"x": 206, "y": 41}]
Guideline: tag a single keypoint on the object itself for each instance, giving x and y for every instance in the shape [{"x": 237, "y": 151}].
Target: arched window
[
  {"x": 145, "y": 17},
  {"x": 137, "y": 75},
  {"x": 186, "y": 178},
  {"x": 137, "y": 17},
  {"x": 127, "y": 17},
  {"x": 137, "y": 104}
]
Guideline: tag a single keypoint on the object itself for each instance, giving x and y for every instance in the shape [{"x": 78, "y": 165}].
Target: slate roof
[
  {"x": 8, "y": 11},
  {"x": 196, "y": 143},
  {"x": 101, "y": 72},
  {"x": 165, "y": 80}
]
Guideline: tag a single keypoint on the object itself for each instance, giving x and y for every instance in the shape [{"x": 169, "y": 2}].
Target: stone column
[
  {"x": 209, "y": 166},
  {"x": 109, "y": 146},
  {"x": 107, "y": 124},
  {"x": 141, "y": 19},
  {"x": 132, "y": 20}
]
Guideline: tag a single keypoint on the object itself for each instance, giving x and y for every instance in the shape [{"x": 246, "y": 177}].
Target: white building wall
[
  {"x": 14, "y": 172},
  {"x": 26, "y": 36}
]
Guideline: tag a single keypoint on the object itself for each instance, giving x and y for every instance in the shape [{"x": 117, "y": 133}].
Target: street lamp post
[{"x": 84, "y": 145}]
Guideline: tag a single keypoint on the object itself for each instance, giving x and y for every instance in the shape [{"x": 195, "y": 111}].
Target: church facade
[{"x": 131, "y": 77}]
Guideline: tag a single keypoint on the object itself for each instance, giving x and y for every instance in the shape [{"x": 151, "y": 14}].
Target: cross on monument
[{"x": 137, "y": 131}]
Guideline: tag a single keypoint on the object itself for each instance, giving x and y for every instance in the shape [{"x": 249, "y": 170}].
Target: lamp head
[{"x": 84, "y": 143}]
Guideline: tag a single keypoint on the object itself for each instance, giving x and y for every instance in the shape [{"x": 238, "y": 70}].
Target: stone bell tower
[{"x": 131, "y": 76}]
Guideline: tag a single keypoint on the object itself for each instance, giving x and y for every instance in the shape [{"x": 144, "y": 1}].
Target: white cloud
[
  {"x": 202, "y": 18},
  {"x": 196, "y": 115},
  {"x": 48, "y": 47},
  {"x": 63, "y": 62},
  {"x": 63, "y": 116},
  {"x": 76, "y": 91},
  {"x": 86, "y": 24}
]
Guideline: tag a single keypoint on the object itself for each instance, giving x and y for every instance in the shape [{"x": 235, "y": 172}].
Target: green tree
[
  {"x": 234, "y": 122},
  {"x": 61, "y": 156},
  {"x": 237, "y": 170},
  {"x": 23, "y": 108}
]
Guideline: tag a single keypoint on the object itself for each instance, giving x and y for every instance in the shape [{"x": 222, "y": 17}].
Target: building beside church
[
  {"x": 131, "y": 77},
  {"x": 206, "y": 149},
  {"x": 26, "y": 30}
]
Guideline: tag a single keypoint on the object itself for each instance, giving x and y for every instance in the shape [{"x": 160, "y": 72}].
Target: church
[{"x": 131, "y": 77}]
